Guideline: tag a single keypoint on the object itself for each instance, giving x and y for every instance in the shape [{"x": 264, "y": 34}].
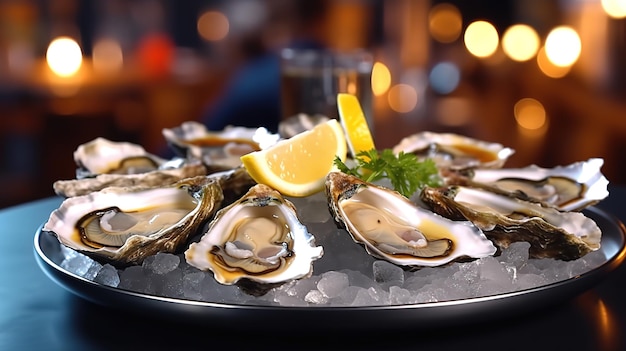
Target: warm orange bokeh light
[
  {"x": 381, "y": 78},
  {"x": 481, "y": 39},
  {"x": 64, "y": 56},
  {"x": 548, "y": 68},
  {"x": 529, "y": 114},
  {"x": 107, "y": 56},
  {"x": 213, "y": 26},
  {"x": 445, "y": 23},
  {"x": 520, "y": 42},
  {"x": 563, "y": 46},
  {"x": 402, "y": 98},
  {"x": 614, "y": 8}
]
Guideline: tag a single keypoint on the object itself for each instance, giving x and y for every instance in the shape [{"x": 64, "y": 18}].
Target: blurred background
[{"x": 544, "y": 77}]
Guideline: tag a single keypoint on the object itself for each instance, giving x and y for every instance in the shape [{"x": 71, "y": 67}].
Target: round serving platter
[{"x": 433, "y": 314}]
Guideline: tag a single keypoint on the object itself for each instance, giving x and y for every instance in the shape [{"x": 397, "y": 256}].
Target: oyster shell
[
  {"x": 156, "y": 178},
  {"x": 103, "y": 156},
  {"x": 218, "y": 150},
  {"x": 127, "y": 224},
  {"x": 504, "y": 220},
  {"x": 103, "y": 163},
  {"x": 257, "y": 242},
  {"x": 453, "y": 151},
  {"x": 299, "y": 123},
  {"x": 392, "y": 228},
  {"x": 568, "y": 188}
]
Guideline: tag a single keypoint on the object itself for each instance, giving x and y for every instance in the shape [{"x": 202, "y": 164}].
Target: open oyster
[
  {"x": 453, "y": 151},
  {"x": 393, "y": 228},
  {"x": 103, "y": 163},
  {"x": 568, "y": 188},
  {"x": 257, "y": 242},
  {"x": 103, "y": 156},
  {"x": 127, "y": 224},
  {"x": 504, "y": 220},
  {"x": 218, "y": 150}
]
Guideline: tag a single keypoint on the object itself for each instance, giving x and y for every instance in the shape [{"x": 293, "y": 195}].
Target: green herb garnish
[{"x": 406, "y": 173}]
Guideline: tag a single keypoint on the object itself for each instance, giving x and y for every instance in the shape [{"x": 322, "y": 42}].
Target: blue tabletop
[{"x": 38, "y": 314}]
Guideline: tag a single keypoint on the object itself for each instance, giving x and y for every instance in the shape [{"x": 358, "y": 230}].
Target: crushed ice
[{"x": 345, "y": 276}]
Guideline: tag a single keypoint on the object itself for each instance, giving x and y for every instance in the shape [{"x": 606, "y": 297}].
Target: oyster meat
[
  {"x": 218, "y": 150},
  {"x": 504, "y": 220},
  {"x": 257, "y": 242},
  {"x": 124, "y": 225},
  {"x": 453, "y": 151},
  {"x": 568, "y": 188},
  {"x": 394, "y": 229}
]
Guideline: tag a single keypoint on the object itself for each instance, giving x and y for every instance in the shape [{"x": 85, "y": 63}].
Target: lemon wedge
[
  {"x": 298, "y": 166},
  {"x": 358, "y": 134}
]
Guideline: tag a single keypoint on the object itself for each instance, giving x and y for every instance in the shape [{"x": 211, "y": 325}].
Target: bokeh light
[
  {"x": 529, "y": 114},
  {"x": 402, "y": 98},
  {"x": 563, "y": 46},
  {"x": 107, "y": 56},
  {"x": 481, "y": 39},
  {"x": 444, "y": 77},
  {"x": 614, "y": 8},
  {"x": 64, "y": 56},
  {"x": 548, "y": 68},
  {"x": 381, "y": 78},
  {"x": 520, "y": 42},
  {"x": 213, "y": 26},
  {"x": 445, "y": 23}
]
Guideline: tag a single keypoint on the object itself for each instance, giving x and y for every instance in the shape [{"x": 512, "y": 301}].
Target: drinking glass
[{"x": 311, "y": 80}]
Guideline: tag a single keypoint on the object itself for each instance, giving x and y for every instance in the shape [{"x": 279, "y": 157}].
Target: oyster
[
  {"x": 124, "y": 225},
  {"x": 103, "y": 156},
  {"x": 568, "y": 188},
  {"x": 504, "y": 220},
  {"x": 219, "y": 150},
  {"x": 453, "y": 151},
  {"x": 395, "y": 229},
  {"x": 257, "y": 242},
  {"x": 103, "y": 163}
]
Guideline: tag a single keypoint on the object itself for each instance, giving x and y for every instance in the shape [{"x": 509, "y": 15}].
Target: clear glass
[{"x": 311, "y": 80}]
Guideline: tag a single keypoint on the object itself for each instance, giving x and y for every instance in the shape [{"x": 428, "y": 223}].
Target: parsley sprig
[{"x": 406, "y": 173}]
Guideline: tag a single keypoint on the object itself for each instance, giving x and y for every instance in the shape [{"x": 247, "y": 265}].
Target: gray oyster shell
[
  {"x": 391, "y": 227},
  {"x": 218, "y": 150},
  {"x": 102, "y": 163},
  {"x": 504, "y": 220},
  {"x": 299, "y": 123},
  {"x": 568, "y": 188},
  {"x": 257, "y": 243},
  {"x": 454, "y": 151},
  {"x": 124, "y": 225}
]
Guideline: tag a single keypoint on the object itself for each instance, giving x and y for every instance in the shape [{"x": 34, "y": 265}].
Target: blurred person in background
[{"x": 251, "y": 97}]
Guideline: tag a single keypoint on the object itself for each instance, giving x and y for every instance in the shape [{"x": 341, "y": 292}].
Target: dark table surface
[{"x": 38, "y": 314}]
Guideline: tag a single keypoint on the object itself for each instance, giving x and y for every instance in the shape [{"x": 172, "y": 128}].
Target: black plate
[{"x": 433, "y": 314}]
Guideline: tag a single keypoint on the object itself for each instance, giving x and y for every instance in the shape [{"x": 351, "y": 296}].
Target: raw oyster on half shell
[
  {"x": 103, "y": 156},
  {"x": 453, "y": 151},
  {"x": 568, "y": 188},
  {"x": 394, "y": 229},
  {"x": 504, "y": 220},
  {"x": 127, "y": 224},
  {"x": 257, "y": 242},
  {"x": 218, "y": 150},
  {"x": 103, "y": 163}
]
